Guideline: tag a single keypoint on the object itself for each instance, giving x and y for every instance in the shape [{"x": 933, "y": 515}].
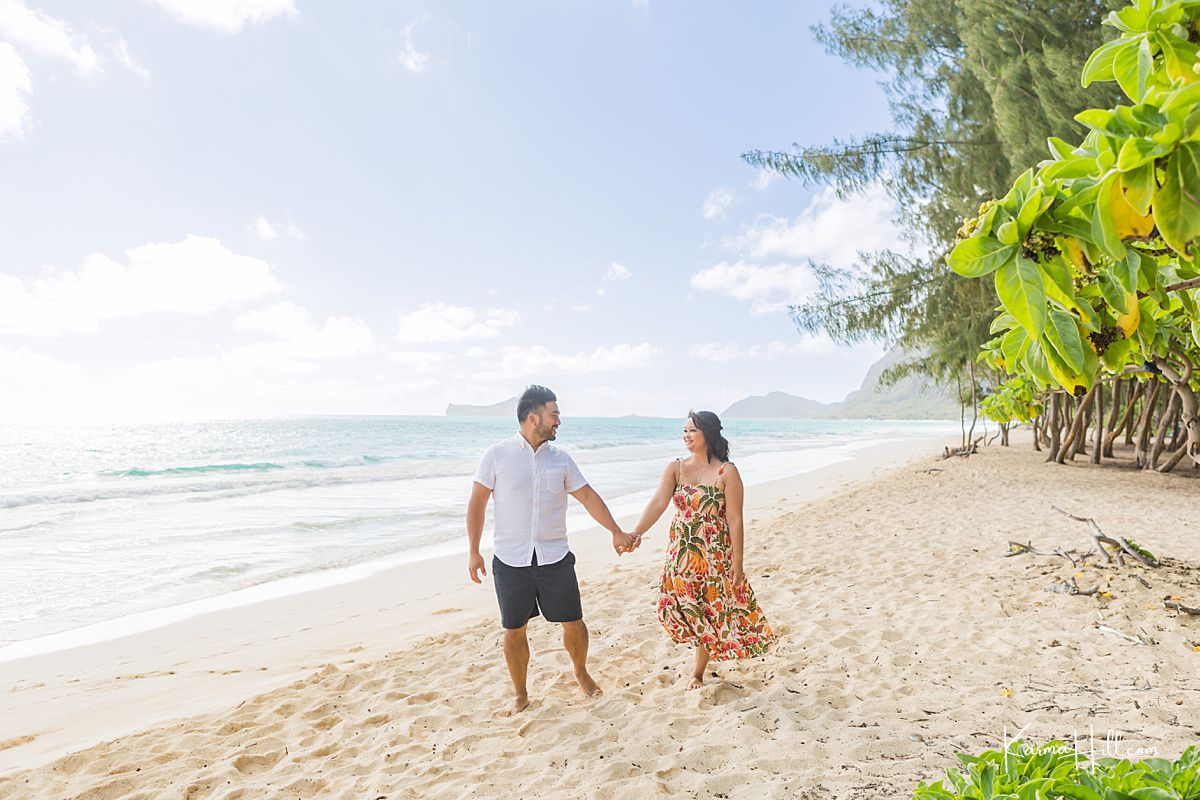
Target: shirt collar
[{"x": 521, "y": 441}]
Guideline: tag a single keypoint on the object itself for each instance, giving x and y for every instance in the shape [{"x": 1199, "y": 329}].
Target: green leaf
[
  {"x": 1182, "y": 98},
  {"x": 1004, "y": 321},
  {"x": 1153, "y": 793},
  {"x": 1136, "y": 152},
  {"x": 1035, "y": 362},
  {"x": 1008, "y": 233},
  {"x": 1013, "y": 346},
  {"x": 1060, "y": 149},
  {"x": 1069, "y": 169},
  {"x": 1029, "y": 212},
  {"x": 1099, "y": 66},
  {"x": 1139, "y": 186},
  {"x": 1098, "y": 119},
  {"x": 1126, "y": 270},
  {"x": 979, "y": 256},
  {"x": 1075, "y": 792},
  {"x": 1019, "y": 286},
  {"x": 1063, "y": 333},
  {"x": 1177, "y": 204},
  {"x": 1112, "y": 292},
  {"x": 1059, "y": 273},
  {"x": 1104, "y": 227},
  {"x": 1132, "y": 65},
  {"x": 1196, "y": 333}
]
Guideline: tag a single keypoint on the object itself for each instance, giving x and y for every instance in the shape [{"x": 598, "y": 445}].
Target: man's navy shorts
[{"x": 524, "y": 592}]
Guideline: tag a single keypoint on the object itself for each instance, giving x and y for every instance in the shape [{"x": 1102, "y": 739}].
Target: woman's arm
[
  {"x": 658, "y": 504},
  {"x": 734, "y": 498}
]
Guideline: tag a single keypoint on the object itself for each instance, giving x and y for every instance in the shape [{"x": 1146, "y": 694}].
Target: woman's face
[{"x": 693, "y": 437}]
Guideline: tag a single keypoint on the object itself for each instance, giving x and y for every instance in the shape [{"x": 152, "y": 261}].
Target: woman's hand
[{"x": 738, "y": 575}]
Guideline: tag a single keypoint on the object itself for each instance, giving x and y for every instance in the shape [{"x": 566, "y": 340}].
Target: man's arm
[
  {"x": 595, "y": 506},
  {"x": 476, "y": 508}
]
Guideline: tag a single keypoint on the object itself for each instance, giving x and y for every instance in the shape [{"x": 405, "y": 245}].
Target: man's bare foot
[
  {"x": 695, "y": 683},
  {"x": 588, "y": 685},
  {"x": 519, "y": 704}
]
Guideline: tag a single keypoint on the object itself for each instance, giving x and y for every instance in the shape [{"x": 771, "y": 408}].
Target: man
[{"x": 533, "y": 568}]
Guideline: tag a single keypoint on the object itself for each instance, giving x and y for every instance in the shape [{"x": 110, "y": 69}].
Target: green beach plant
[
  {"x": 1056, "y": 769},
  {"x": 1093, "y": 253}
]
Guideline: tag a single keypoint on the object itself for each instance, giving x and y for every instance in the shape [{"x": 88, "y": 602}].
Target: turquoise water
[{"x": 100, "y": 522}]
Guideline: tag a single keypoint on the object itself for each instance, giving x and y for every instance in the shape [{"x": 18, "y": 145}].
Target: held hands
[
  {"x": 475, "y": 565},
  {"x": 625, "y": 542}
]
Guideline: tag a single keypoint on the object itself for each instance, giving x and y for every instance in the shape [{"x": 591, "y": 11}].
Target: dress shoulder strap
[
  {"x": 721, "y": 471},
  {"x": 679, "y": 472}
]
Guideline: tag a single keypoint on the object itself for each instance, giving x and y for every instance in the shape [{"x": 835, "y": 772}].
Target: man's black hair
[{"x": 534, "y": 398}]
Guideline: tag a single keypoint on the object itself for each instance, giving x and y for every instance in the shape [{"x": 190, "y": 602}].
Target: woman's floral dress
[{"x": 698, "y": 603}]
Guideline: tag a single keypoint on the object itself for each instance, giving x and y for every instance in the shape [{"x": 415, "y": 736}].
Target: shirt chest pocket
[{"x": 553, "y": 478}]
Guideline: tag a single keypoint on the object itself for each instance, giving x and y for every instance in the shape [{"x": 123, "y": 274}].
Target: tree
[
  {"x": 1094, "y": 254},
  {"x": 975, "y": 87}
]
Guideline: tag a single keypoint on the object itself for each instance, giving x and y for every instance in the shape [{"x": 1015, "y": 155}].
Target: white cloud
[
  {"x": 765, "y": 178},
  {"x": 297, "y": 339},
  {"x": 339, "y": 337},
  {"x": 770, "y": 288},
  {"x": 282, "y": 319},
  {"x": 721, "y": 352},
  {"x": 409, "y": 56},
  {"x": 830, "y": 230},
  {"x": 46, "y": 35},
  {"x": 441, "y": 322},
  {"x": 717, "y": 203},
  {"x": 617, "y": 273},
  {"x": 266, "y": 230},
  {"x": 227, "y": 16},
  {"x": 198, "y": 275},
  {"x": 421, "y": 360},
  {"x": 14, "y": 86},
  {"x": 537, "y": 360},
  {"x": 127, "y": 59}
]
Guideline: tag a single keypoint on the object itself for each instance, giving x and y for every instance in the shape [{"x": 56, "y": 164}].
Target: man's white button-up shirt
[{"x": 529, "y": 494}]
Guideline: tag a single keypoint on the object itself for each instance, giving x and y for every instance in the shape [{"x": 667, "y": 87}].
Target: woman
[{"x": 704, "y": 599}]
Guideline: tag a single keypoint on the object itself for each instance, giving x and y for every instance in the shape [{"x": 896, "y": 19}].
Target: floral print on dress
[{"x": 698, "y": 603}]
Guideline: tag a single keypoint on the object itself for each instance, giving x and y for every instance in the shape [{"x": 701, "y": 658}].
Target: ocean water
[{"x": 98, "y": 523}]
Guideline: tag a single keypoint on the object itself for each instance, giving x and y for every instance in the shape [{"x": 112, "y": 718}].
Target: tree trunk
[
  {"x": 1037, "y": 435},
  {"x": 974, "y": 407},
  {"x": 1004, "y": 426},
  {"x": 1164, "y": 423},
  {"x": 1135, "y": 392},
  {"x": 1144, "y": 424},
  {"x": 1055, "y": 425},
  {"x": 1076, "y": 432},
  {"x": 1098, "y": 415},
  {"x": 1189, "y": 407},
  {"x": 1114, "y": 414}
]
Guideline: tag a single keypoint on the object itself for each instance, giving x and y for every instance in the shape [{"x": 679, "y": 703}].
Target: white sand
[{"x": 906, "y": 637}]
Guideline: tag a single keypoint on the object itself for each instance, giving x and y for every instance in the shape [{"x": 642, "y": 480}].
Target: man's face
[{"x": 548, "y": 421}]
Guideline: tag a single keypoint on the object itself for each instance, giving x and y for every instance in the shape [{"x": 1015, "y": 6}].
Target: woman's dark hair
[
  {"x": 532, "y": 399},
  {"x": 710, "y": 425}
]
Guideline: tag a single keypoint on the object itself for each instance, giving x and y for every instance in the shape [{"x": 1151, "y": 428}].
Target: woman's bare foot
[
  {"x": 588, "y": 685},
  {"x": 519, "y": 704},
  {"x": 696, "y": 682}
]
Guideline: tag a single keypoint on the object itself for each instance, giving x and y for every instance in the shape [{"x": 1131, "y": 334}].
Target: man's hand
[
  {"x": 624, "y": 542},
  {"x": 476, "y": 566}
]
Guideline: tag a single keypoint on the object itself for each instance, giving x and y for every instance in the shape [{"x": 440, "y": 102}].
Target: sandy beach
[{"x": 906, "y": 635}]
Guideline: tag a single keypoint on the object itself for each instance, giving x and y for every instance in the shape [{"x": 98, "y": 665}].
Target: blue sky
[{"x": 249, "y": 207}]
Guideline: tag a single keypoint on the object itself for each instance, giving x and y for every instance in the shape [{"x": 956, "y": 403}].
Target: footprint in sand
[{"x": 443, "y": 611}]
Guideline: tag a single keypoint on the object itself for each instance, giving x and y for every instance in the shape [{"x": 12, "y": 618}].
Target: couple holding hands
[{"x": 703, "y": 599}]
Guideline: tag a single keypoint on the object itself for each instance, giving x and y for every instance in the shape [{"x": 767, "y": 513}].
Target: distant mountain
[
  {"x": 913, "y": 397},
  {"x": 778, "y": 405},
  {"x": 505, "y": 408}
]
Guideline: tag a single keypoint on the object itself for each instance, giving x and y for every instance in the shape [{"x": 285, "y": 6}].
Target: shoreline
[
  {"x": 70, "y": 699},
  {"x": 322, "y": 577}
]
